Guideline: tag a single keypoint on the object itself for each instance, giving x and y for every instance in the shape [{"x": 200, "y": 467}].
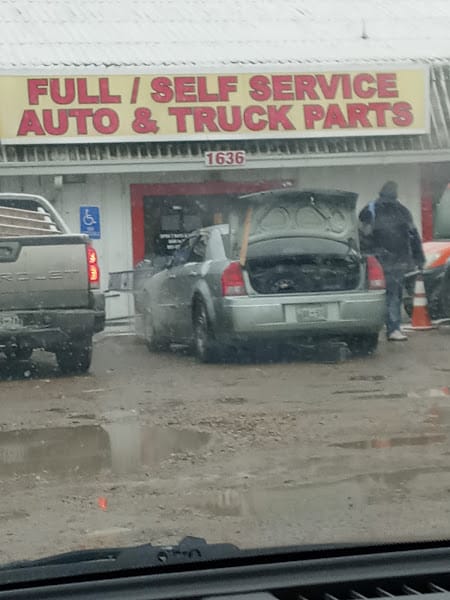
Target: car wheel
[
  {"x": 363, "y": 345},
  {"x": 23, "y": 353},
  {"x": 75, "y": 356},
  {"x": 152, "y": 341},
  {"x": 204, "y": 343}
]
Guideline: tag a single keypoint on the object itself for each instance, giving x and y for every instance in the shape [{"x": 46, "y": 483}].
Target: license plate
[
  {"x": 313, "y": 312},
  {"x": 10, "y": 321}
]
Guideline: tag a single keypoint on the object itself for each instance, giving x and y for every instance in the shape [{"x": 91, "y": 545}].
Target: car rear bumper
[
  {"x": 336, "y": 314},
  {"x": 48, "y": 328}
]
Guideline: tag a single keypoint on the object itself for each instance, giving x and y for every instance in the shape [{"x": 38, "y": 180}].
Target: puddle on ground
[
  {"x": 293, "y": 502},
  {"x": 419, "y": 440},
  {"x": 367, "y": 378},
  {"x": 87, "y": 449},
  {"x": 438, "y": 416},
  {"x": 232, "y": 400},
  {"x": 430, "y": 393}
]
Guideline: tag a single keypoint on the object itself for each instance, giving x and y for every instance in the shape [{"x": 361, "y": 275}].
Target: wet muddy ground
[{"x": 152, "y": 447}]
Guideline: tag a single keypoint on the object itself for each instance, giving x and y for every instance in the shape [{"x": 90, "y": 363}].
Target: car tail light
[
  {"x": 375, "y": 274},
  {"x": 233, "y": 281},
  {"x": 93, "y": 268}
]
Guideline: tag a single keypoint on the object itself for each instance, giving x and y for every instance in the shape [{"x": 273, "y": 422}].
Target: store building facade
[{"x": 139, "y": 160}]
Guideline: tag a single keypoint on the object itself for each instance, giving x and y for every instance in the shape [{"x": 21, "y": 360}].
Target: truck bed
[{"x": 42, "y": 265}]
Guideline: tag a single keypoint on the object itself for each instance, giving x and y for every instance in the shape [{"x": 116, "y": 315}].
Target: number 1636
[{"x": 225, "y": 158}]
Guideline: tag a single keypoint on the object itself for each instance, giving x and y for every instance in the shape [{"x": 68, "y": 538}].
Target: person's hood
[{"x": 389, "y": 192}]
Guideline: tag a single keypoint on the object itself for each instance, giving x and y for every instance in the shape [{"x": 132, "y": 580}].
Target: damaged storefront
[{"x": 139, "y": 160}]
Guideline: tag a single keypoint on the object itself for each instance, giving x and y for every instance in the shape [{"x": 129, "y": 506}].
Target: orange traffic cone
[{"x": 420, "y": 320}]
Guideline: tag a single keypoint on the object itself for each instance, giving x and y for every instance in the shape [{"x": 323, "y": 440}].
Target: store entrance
[
  {"x": 163, "y": 214},
  {"x": 169, "y": 220}
]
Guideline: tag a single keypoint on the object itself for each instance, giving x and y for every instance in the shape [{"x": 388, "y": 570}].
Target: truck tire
[
  {"x": 75, "y": 356},
  {"x": 363, "y": 345}
]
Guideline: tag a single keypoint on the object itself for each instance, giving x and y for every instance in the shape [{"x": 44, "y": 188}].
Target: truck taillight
[
  {"x": 375, "y": 274},
  {"x": 92, "y": 265},
  {"x": 233, "y": 281}
]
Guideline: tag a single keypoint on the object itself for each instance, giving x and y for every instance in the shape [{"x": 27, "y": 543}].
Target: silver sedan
[{"x": 287, "y": 267}]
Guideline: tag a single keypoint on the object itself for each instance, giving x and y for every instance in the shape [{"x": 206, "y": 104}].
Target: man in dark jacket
[{"x": 387, "y": 231}]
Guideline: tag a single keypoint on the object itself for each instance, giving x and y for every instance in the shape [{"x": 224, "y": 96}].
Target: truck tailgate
[{"x": 43, "y": 271}]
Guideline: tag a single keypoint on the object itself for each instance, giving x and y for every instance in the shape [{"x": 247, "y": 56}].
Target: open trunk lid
[
  {"x": 291, "y": 213},
  {"x": 294, "y": 242}
]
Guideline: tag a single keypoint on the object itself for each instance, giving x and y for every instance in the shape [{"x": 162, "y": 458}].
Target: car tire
[
  {"x": 205, "y": 346},
  {"x": 75, "y": 356},
  {"x": 153, "y": 342},
  {"x": 363, "y": 344}
]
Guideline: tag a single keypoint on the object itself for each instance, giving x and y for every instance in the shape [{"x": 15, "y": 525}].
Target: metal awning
[{"x": 183, "y": 156}]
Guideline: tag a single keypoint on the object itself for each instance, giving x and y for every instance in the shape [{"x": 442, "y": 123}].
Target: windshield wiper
[
  {"x": 190, "y": 554},
  {"x": 189, "y": 549}
]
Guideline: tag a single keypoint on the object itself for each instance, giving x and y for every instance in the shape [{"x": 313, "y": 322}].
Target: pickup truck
[{"x": 49, "y": 285}]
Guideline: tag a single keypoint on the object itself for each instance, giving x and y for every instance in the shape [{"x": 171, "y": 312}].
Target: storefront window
[{"x": 169, "y": 220}]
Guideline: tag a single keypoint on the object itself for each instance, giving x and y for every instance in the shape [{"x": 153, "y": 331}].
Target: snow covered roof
[{"x": 168, "y": 34}]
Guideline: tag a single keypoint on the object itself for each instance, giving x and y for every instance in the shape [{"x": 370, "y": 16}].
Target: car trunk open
[
  {"x": 298, "y": 241},
  {"x": 302, "y": 265}
]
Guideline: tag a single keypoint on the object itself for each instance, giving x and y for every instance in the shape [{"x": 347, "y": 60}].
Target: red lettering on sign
[
  {"x": 249, "y": 118},
  {"x": 83, "y": 96},
  {"x": 184, "y": 89},
  {"x": 204, "y": 118},
  {"x": 282, "y": 87},
  {"x": 203, "y": 94},
  {"x": 259, "y": 88},
  {"x": 387, "y": 85},
  {"x": 105, "y": 96},
  {"x": 328, "y": 89},
  {"x": 305, "y": 86},
  {"x": 346, "y": 86},
  {"x": 180, "y": 113},
  {"x": 55, "y": 91},
  {"x": 312, "y": 113},
  {"x": 30, "y": 123},
  {"x": 162, "y": 90},
  {"x": 334, "y": 118},
  {"x": 278, "y": 117},
  {"x": 106, "y": 121},
  {"x": 380, "y": 108},
  {"x": 403, "y": 114},
  {"x": 36, "y": 88},
  {"x": 63, "y": 122},
  {"x": 80, "y": 115},
  {"x": 227, "y": 85},
  {"x": 362, "y": 87},
  {"x": 226, "y": 124},
  {"x": 357, "y": 115}
]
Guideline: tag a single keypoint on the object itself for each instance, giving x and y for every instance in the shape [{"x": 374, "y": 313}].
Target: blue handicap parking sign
[{"x": 90, "y": 221}]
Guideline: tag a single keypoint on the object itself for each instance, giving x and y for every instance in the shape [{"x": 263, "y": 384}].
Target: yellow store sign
[{"x": 52, "y": 109}]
